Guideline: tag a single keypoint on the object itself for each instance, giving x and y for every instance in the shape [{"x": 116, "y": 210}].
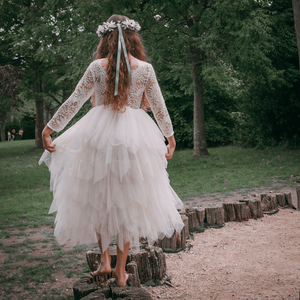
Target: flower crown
[{"x": 110, "y": 26}]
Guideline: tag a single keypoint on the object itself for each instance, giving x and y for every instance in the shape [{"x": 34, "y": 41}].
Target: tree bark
[
  {"x": 200, "y": 147},
  {"x": 39, "y": 123},
  {"x": 296, "y": 9},
  {"x": 2, "y": 120}
]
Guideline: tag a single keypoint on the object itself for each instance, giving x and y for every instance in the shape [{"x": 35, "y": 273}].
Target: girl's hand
[
  {"x": 171, "y": 147},
  {"x": 47, "y": 141}
]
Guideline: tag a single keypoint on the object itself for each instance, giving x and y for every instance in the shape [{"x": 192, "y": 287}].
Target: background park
[{"x": 229, "y": 73}]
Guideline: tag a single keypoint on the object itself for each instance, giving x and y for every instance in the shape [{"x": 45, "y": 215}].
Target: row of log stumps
[
  {"x": 148, "y": 267},
  {"x": 270, "y": 202},
  {"x": 197, "y": 219}
]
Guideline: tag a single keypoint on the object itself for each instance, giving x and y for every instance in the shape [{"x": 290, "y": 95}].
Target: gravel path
[{"x": 257, "y": 259}]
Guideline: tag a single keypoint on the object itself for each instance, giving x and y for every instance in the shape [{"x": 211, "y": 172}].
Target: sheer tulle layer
[{"x": 108, "y": 176}]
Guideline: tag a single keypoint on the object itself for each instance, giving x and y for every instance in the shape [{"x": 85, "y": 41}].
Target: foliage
[
  {"x": 271, "y": 107},
  {"x": 221, "y": 94},
  {"x": 247, "y": 59},
  {"x": 26, "y": 123},
  {"x": 9, "y": 88}
]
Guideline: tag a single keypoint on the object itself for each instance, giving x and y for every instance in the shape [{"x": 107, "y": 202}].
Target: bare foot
[
  {"x": 121, "y": 280},
  {"x": 103, "y": 269}
]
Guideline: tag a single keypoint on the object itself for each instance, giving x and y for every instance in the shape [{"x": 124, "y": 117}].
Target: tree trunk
[
  {"x": 200, "y": 147},
  {"x": 39, "y": 123},
  {"x": 296, "y": 9},
  {"x": 2, "y": 120}
]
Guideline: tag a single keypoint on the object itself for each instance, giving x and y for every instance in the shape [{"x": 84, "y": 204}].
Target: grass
[
  {"x": 232, "y": 168},
  {"x": 25, "y": 200}
]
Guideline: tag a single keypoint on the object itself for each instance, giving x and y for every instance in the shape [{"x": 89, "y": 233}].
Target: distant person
[
  {"x": 13, "y": 134},
  {"x": 21, "y": 133},
  {"x": 8, "y": 136}
]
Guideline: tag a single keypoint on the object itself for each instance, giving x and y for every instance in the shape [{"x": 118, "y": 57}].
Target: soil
[{"x": 256, "y": 259}]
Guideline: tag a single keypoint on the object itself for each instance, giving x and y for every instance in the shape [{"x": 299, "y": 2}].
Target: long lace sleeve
[
  {"x": 157, "y": 104},
  {"x": 70, "y": 107}
]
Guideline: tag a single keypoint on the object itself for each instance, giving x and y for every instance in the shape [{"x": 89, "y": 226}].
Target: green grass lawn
[
  {"x": 232, "y": 168},
  {"x": 25, "y": 200},
  {"x": 24, "y": 185}
]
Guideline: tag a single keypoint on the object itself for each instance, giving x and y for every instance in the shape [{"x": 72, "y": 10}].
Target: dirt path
[{"x": 257, "y": 259}]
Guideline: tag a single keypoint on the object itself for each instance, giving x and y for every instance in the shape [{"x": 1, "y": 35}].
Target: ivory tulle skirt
[{"x": 109, "y": 179}]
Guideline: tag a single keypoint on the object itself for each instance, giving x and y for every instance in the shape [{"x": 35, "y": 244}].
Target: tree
[
  {"x": 270, "y": 103},
  {"x": 194, "y": 37},
  {"x": 296, "y": 9},
  {"x": 9, "y": 94},
  {"x": 42, "y": 38}
]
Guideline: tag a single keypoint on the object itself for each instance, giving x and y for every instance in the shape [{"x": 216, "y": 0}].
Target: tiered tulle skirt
[{"x": 109, "y": 180}]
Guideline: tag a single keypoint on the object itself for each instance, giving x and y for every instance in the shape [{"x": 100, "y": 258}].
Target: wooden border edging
[{"x": 197, "y": 219}]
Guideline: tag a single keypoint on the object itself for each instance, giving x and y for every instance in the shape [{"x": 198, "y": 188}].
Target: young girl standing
[{"x": 108, "y": 171}]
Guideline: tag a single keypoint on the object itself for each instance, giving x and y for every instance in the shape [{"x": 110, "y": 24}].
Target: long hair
[{"x": 108, "y": 48}]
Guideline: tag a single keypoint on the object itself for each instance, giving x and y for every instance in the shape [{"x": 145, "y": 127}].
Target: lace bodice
[{"x": 94, "y": 80}]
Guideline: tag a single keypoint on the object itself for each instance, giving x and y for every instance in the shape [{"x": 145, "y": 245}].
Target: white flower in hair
[
  {"x": 101, "y": 30},
  {"x": 110, "y": 26}
]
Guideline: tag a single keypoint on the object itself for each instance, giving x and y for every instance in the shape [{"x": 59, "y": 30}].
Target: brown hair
[{"x": 108, "y": 48}]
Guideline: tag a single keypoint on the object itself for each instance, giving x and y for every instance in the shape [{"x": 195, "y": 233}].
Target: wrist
[{"x": 46, "y": 132}]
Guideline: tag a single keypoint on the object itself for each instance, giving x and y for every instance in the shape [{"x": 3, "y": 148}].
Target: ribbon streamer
[{"x": 121, "y": 44}]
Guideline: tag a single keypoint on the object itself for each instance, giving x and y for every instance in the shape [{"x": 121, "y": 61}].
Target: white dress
[{"x": 108, "y": 173}]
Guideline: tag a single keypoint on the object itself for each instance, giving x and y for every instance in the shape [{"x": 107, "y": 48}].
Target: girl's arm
[{"x": 47, "y": 141}]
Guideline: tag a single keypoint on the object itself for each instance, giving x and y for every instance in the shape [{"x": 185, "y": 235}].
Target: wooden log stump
[
  {"x": 87, "y": 285},
  {"x": 196, "y": 219},
  {"x": 133, "y": 275},
  {"x": 200, "y": 214},
  {"x": 157, "y": 262},
  {"x": 97, "y": 295},
  {"x": 241, "y": 211},
  {"x": 214, "y": 216},
  {"x": 247, "y": 202},
  {"x": 184, "y": 233},
  {"x": 298, "y": 197},
  {"x": 109, "y": 291},
  {"x": 177, "y": 242},
  {"x": 193, "y": 220},
  {"x": 269, "y": 203},
  {"x": 281, "y": 200},
  {"x": 255, "y": 209},
  {"x": 128, "y": 293},
  {"x": 229, "y": 212},
  {"x": 151, "y": 262},
  {"x": 262, "y": 196},
  {"x": 288, "y": 199}
]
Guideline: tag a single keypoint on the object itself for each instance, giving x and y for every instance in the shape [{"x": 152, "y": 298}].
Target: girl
[{"x": 108, "y": 171}]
